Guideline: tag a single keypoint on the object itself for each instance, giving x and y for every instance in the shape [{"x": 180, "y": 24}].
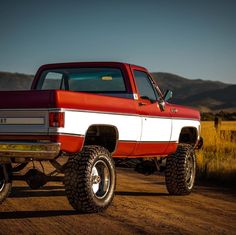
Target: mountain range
[{"x": 207, "y": 96}]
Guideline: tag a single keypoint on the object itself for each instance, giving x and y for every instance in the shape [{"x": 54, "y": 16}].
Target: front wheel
[
  {"x": 90, "y": 179},
  {"x": 181, "y": 170},
  {"x": 5, "y": 181}
]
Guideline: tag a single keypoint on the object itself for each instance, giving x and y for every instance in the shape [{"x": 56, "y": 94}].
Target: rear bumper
[{"x": 41, "y": 151}]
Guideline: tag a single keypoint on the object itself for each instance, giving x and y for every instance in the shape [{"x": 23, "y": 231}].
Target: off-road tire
[
  {"x": 79, "y": 181},
  {"x": 5, "y": 184},
  {"x": 181, "y": 170}
]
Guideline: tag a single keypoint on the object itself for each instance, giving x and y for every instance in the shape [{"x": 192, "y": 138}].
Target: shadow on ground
[
  {"x": 141, "y": 194},
  {"x": 35, "y": 214},
  {"x": 46, "y": 191}
]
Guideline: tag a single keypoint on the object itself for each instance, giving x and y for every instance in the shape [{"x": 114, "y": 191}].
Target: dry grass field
[{"x": 217, "y": 158}]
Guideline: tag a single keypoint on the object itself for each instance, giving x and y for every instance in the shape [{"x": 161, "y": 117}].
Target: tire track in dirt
[{"x": 141, "y": 206}]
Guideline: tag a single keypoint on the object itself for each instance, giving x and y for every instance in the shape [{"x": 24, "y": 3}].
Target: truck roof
[{"x": 90, "y": 64}]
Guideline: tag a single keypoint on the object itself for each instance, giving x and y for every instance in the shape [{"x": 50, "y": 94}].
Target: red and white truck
[{"x": 95, "y": 112}]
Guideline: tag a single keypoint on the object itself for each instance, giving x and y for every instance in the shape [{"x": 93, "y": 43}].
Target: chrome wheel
[
  {"x": 90, "y": 179},
  {"x": 190, "y": 171},
  {"x": 2, "y": 184},
  {"x": 5, "y": 181},
  {"x": 2, "y": 178},
  {"x": 101, "y": 179}
]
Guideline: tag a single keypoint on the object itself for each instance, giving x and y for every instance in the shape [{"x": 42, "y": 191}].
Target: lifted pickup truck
[{"x": 95, "y": 112}]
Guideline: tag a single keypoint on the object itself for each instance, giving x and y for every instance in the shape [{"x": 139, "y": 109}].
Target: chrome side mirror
[
  {"x": 162, "y": 101},
  {"x": 162, "y": 104}
]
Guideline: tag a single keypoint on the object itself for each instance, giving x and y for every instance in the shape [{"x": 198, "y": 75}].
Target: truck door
[{"x": 156, "y": 124}]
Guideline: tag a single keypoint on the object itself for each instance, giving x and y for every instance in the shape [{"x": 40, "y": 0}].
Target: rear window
[{"x": 94, "y": 80}]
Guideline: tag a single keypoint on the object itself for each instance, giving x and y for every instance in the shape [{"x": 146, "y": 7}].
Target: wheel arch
[
  {"x": 188, "y": 135},
  {"x": 102, "y": 134}
]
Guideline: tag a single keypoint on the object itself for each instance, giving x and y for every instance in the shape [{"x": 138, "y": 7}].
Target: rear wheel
[
  {"x": 181, "y": 170},
  {"x": 90, "y": 179},
  {"x": 5, "y": 181}
]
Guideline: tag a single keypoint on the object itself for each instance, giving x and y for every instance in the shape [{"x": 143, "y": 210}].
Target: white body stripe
[
  {"x": 156, "y": 129},
  {"x": 130, "y": 128},
  {"x": 178, "y": 124}
]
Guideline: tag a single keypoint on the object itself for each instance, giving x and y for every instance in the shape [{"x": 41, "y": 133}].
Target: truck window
[
  {"x": 53, "y": 81},
  {"x": 145, "y": 86},
  {"x": 94, "y": 80}
]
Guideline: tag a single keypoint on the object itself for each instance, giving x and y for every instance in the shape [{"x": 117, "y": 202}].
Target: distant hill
[
  {"x": 217, "y": 100},
  {"x": 183, "y": 87},
  {"x": 207, "y": 96},
  {"x": 15, "y": 81}
]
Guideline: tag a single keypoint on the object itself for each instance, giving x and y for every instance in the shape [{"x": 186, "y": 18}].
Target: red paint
[
  {"x": 124, "y": 148},
  {"x": 93, "y": 102},
  {"x": 172, "y": 147},
  {"x": 184, "y": 112},
  {"x": 86, "y": 101},
  {"x": 26, "y": 99},
  {"x": 151, "y": 148},
  {"x": 141, "y": 149},
  {"x": 74, "y": 144},
  {"x": 70, "y": 144},
  {"x": 65, "y": 99}
]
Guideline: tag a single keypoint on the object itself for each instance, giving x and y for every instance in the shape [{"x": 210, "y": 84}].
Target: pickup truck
[{"x": 92, "y": 113}]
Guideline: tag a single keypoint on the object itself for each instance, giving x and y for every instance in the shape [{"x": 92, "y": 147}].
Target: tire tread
[
  {"x": 77, "y": 179},
  {"x": 175, "y": 170}
]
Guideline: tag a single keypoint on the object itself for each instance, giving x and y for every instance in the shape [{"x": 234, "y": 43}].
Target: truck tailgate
[
  {"x": 29, "y": 122},
  {"x": 25, "y": 112},
  {"x": 26, "y": 99}
]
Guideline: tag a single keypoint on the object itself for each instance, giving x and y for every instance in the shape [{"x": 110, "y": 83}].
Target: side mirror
[
  {"x": 162, "y": 105},
  {"x": 168, "y": 95}
]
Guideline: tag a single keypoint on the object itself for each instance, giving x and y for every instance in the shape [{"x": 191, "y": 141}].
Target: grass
[{"x": 217, "y": 159}]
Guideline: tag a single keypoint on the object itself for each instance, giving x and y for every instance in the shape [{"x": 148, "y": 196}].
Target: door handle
[{"x": 174, "y": 110}]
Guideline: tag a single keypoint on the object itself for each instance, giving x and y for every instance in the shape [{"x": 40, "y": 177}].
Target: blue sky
[{"x": 195, "y": 39}]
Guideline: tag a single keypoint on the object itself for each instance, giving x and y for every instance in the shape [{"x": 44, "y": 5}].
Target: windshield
[{"x": 95, "y": 80}]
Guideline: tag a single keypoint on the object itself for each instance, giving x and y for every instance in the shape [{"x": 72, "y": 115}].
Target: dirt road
[{"x": 141, "y": 206}]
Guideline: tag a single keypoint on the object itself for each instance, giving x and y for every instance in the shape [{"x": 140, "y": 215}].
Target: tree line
[{"x": 224, "y": 116}]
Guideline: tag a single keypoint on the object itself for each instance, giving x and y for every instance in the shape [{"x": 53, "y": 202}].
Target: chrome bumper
[{"x": 41, "y": 151}]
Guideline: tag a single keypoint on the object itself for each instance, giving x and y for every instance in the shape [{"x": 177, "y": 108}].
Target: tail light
[{"x": 56, "y": 119}]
